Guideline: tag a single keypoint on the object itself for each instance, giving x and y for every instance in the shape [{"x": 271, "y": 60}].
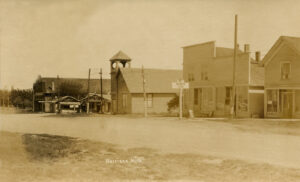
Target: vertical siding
[
  {"x": 122, "y": 89},
  {"x": 159, "y": 103}
]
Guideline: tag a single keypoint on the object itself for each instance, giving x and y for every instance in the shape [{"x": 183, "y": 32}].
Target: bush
[{"x": 173, "y": 103}]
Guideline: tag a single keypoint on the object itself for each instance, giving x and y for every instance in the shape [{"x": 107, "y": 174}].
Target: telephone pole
[
  {"x": 88, "y": 93},
  {"x": 145, "y": 95},
  {"x": 101, "y": 91},
  {"x": 234, "y": 68}
]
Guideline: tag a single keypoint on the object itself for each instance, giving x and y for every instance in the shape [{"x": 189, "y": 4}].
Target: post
[
  {"x": 101, "y": 83},
  {"x": 180, "y": 103},
  {"x": 233, "y": 101},
  {"x": 145, "y": 95},
  {"x": 88, "y": 92}
]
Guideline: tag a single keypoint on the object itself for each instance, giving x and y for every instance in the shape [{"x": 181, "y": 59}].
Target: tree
[
  {"x": 21, "y": 97},
  {"x": 173, "y": 103}
]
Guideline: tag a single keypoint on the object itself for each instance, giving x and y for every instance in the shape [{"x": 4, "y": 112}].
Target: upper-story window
[
  {"x": 285, "y": 70},
  {"x": 204, "y": 75},
  {"x": 204, "y": 72},
  {"x": 191, "y": 77}
]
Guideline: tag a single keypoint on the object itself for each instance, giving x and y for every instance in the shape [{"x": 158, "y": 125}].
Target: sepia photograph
[{"x": 149, "y": 91}]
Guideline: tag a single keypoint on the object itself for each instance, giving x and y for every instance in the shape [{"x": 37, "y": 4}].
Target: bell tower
[{"x": 119, "y": 60}]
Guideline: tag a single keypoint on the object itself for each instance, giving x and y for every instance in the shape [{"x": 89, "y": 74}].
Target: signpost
[{"x": 180, "y": 84}]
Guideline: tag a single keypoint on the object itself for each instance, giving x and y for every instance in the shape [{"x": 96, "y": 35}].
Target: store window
[
  {"x": 196, "y": 96},
  {"x": 272, "y": 100},
  {"x": 297, "y": 101}
]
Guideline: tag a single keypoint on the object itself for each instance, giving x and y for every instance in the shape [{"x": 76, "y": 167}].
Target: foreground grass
[{"x": 41, "y": 157}]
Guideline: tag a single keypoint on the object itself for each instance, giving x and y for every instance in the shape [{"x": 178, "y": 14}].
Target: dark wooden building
[{"x": 48, "y": 89}]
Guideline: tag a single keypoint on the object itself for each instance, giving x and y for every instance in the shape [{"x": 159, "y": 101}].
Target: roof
[
  {"x": 94, "y": 83},
  {"x": 157, "y": 80},
  {"x": 223, "y": 51},
  {"x": 105, "y": 96},
  {"x": 193, "y": 45},
  {"x": 67, "y": 99},
  {"x": 120, "y": 56},
  {"x": 220, "y": 51},
  {"x": 292, "y": 42}
]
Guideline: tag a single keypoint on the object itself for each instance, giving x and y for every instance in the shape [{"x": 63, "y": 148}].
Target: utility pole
[
  {"x": 88, "y": 93},
  {"x": 145, "y": 95},
  {"x": 101, "y": 91},
  {"x": 33, "y": 105},
  {"x": 233, "y": 108}
]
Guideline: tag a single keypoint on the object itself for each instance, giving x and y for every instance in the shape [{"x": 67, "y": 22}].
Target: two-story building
[
  {"x": 209, "y": 71},
  {"x": 282, "y": 79}
]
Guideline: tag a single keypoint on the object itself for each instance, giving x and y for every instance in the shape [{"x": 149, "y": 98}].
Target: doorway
[{"x": 287, "y": 104}]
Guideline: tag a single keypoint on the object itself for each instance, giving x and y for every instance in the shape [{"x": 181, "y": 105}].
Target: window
[
  {"x": 285, "y": 70},
  {"x": 297, "y": 100},
  {"x": 227, "y": 95},
  {"x": 196, "y": 97},
  {"x": 191, "y": 77},
  {"x": 272, "y": 100},
  {"x": 124, "y": 101},
  {"x": 149, "y": 100},
  {"x": 204, "y": 75}
]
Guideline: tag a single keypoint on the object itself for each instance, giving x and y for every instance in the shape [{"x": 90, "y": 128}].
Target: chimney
[
  {"x": 246, "y": 48},
  {"x": 257, "y": 56}
]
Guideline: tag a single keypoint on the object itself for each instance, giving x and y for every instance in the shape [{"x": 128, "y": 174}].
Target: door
[{"x": 287, "y": 104}]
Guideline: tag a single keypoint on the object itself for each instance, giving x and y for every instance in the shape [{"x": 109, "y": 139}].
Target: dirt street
[{"x": 167, "y": 135}]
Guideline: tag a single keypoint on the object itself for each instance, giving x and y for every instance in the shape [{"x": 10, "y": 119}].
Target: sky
[{"x": 67, "y": 37}]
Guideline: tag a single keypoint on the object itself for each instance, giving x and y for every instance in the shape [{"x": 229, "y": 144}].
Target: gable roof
[
  {"x": 67, "y": 99},
  {"x": 120, "y": 56},
  {"x": 292, "y": 42},
  {"x": 157, "y": 80}
]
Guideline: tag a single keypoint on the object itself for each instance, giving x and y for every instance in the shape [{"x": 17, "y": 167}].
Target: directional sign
[{"x": 180, "y": 85}]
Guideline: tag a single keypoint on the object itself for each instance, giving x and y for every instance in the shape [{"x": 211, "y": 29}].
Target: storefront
[{"x": 282, "y": 103}]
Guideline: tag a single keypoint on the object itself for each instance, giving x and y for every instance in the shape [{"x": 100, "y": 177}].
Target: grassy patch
[{"x": 61, "y": 158}]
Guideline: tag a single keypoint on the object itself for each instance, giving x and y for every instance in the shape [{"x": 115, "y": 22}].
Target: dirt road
[{"x": 167, "y": 135}]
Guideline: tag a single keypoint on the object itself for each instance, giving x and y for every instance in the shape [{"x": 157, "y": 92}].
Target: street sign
[{"x": 180, "y": 84}]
